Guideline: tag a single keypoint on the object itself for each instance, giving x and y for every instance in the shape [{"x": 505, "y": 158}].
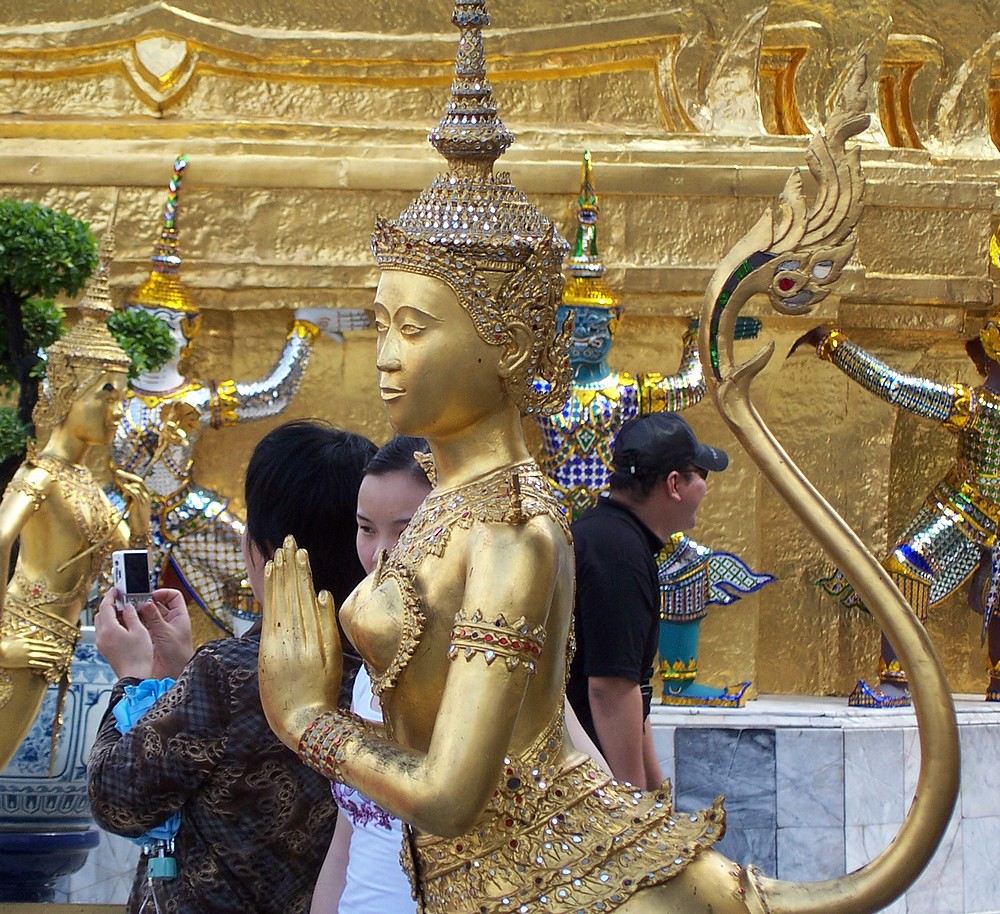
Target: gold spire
[
  {"x": 585, "y": 286},
  {"x": 472, "y": 219},
  {"x": 163, "y": 288},
  {"x": 88, "y": 346},
  {"x": 96, "y": 301}
]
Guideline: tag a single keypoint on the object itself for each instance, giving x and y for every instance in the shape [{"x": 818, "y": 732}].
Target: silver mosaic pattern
[
  {"x": 958, "y": 523},
  {"x": 917, "y": 395}
]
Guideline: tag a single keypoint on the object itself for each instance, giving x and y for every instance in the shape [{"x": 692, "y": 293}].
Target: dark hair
[
  {"x": 396, "y": 456},
  {"x": 638, "y": 484},
  {"x": 303, "y": 479}
]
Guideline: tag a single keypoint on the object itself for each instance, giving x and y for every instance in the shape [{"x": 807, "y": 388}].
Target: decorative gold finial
[
  {"x": 96, "y": 302},
  {"x": 471, "y": 132},
  {"x": 163, "y": 288},
  {"x": 472, "y": 221},
  {"x": 585, "y": 266}
]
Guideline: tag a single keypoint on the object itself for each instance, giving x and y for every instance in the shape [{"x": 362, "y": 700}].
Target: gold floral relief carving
[
  {"x": 695, "y": 68},
  {"x": 161, "y": 69}
]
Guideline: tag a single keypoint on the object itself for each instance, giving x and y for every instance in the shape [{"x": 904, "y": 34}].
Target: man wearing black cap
[{"x": 657, "y": 484}]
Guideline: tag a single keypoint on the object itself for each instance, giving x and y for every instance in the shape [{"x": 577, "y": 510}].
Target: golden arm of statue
[
  {"x": 135, "y": 532},
  {"x": 443, "y": 791},
  {"x": 19, "y": 505}
]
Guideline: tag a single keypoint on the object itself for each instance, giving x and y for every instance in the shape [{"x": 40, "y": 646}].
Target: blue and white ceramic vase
[{"x": 46, "y": 830}]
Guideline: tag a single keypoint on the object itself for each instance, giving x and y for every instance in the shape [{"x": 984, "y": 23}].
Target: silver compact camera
[{"x": 130, "y": 573}]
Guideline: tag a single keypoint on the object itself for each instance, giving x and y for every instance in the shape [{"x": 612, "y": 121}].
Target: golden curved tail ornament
[{"x": 793, "y": 254}]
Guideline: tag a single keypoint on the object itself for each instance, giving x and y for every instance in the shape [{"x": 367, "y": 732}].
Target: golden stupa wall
[{"x": 304, "y": 120}]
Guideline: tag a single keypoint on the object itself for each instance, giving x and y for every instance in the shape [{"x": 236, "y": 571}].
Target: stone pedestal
[{"x": 815, "y": 789}]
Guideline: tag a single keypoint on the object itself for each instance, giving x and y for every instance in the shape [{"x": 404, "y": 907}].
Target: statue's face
[
  {"x": 97, "y": 409},
  {"x": 436, "y": 375},
  {"x": 183, "y": 327},
  {"x": 593, "y": 332}
]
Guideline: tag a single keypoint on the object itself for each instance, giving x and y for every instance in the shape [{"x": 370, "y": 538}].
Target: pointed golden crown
[
  {"x": 163, "y": 288},
  {"x": 88, "y": 346},
  {"x": 472, "y": 219},
  {"x": 586, "y": 286}
]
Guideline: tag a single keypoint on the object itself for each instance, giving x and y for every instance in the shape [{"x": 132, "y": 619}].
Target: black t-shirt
[{"x": 617, "y": 610}]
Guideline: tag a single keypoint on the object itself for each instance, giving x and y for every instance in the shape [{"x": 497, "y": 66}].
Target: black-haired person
[
  {"x": 657, "y": 484},
  {"x": 361, "y": 874},
  {"x": 255, "y": 822}
]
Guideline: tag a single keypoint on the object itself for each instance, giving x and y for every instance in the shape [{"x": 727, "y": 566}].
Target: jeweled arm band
[
  {"x": 327, "y": 741},
  {"x": 828, "y": 345},
  {"x": 302, "y": 329},
  {"x": 515, "y": 643},
  {"x": 140, "y": 540}
]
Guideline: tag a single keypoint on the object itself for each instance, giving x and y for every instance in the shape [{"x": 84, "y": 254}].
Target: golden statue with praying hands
[{"x": 465, "y": 626}]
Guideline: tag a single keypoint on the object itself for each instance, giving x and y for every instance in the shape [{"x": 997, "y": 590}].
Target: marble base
[{"x": 815, "y": 789}]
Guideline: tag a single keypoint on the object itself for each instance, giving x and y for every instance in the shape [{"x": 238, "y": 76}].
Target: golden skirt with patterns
[{"x": 573, "y": 844}]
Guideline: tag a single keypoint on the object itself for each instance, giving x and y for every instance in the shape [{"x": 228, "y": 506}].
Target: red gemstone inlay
[{"x": 786, "y": 283}]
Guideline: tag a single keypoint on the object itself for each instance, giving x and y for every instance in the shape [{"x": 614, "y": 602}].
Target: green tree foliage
[
  {"x": 145, "y": 338},
  {"x": 43, "y": 325},
  {"x": 44, "y": 253}
]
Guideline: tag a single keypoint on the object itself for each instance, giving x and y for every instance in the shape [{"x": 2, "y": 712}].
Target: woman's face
[
  {"x": 96, "y": 410},
  {"x": 386, "y": 503},
  {"x": 436, "y": 375}
]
